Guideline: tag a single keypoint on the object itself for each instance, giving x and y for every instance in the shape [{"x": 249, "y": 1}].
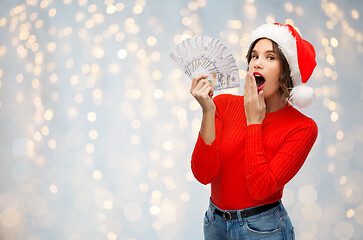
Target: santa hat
[{"x": 300, "y": 55}]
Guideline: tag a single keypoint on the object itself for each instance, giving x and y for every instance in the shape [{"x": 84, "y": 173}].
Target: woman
[{"x": 250, "y": 146}]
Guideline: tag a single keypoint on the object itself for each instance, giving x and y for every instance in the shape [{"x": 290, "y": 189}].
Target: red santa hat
[{"x": 300, "y": 55}]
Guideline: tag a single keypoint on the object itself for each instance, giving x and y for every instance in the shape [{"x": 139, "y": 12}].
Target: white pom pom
[{"x": 302, "y": 96}]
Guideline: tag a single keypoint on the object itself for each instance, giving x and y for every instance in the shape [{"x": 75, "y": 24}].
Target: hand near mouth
[
  {"x": 254, "y": 102},
  {"x": 260, "y": 80}
]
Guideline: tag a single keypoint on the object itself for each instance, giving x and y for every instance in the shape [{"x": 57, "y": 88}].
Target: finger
[
  {"x": 247, "y": 79},
  {"x": 211, "y": 92},
  {"x": 251, "y": 80},
  {"x": 261, "y": 98},
  {"x": 207, "y": 91},
  {"x": 253, "y": 85},
  {"x": 245, "y": 91},
  {"x": 196, "y": 80},
  {"x": 205, "y": 86},
  {"x": 200, "y": 85},
  {"x": 248, "y": 85}
]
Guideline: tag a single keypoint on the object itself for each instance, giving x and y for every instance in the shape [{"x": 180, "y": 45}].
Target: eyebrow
[{"x": 268, "y": 51}]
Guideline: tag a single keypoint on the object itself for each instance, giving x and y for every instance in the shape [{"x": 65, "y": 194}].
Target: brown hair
[{"x": 284, "y": 78}]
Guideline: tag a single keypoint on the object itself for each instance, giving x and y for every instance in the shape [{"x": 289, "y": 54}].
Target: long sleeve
[
  {"x": 266, "y": 176},
  {"x": 206, "y": 159}
]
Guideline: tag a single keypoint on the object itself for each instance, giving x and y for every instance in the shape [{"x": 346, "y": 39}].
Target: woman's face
[{"x": 266, "y": 68}]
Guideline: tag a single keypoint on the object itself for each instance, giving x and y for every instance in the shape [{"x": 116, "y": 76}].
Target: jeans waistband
[{"x": 243, "y": 213}]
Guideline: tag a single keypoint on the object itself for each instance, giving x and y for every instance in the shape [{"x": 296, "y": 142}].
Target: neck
[{"x": 275, "y": 103}]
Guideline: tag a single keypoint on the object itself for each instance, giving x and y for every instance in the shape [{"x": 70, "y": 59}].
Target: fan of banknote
[{"x": 206, "y": 55}]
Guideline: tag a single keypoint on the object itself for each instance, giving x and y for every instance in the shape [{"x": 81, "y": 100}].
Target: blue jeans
[{"x": 273, "y": 224}]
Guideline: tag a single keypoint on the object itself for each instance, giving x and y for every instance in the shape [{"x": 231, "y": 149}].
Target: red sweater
[{"x": 248, "y": 166}]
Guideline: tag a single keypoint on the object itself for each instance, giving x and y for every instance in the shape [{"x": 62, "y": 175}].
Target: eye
[
  {"x": 271, "y": 58},
  {"x": 255, "y": 56}
]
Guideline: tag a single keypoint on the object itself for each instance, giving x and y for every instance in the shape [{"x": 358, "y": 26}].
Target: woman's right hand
[{"x": 202, "y": 91}]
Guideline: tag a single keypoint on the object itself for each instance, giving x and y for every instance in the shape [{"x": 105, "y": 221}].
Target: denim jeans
[{"x": 273, "y": 224}]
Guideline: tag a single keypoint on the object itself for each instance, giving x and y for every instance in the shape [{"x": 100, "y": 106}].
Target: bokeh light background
[{"x": 97, "y": 123}]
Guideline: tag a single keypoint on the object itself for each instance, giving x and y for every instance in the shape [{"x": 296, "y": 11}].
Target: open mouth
[{"x": 260, "y": 81}]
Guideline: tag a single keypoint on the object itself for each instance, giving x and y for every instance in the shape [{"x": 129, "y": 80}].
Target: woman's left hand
[{"x": 255, "y": 107}]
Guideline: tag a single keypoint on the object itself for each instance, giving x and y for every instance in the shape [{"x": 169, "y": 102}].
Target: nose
[{"x": 257, "y": 63}]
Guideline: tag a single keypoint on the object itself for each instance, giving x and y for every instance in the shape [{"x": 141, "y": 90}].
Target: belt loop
[
  {"x": 240, "y": 218},
  {"x": 211, "y": 205}
]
